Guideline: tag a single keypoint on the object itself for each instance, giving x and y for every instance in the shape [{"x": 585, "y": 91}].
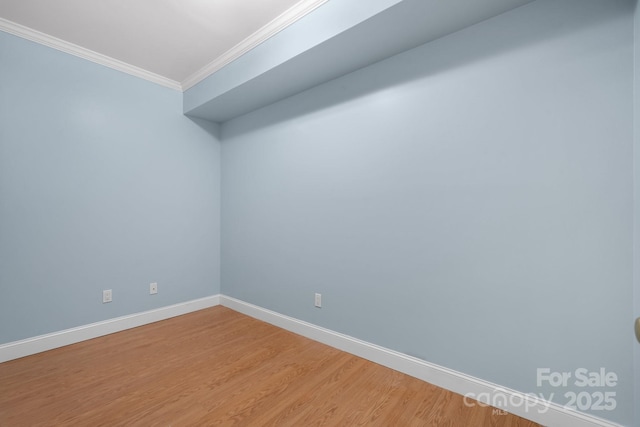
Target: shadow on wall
[
  {"x": 208, "y": 126},
  {"x": 526, "y": 26}
]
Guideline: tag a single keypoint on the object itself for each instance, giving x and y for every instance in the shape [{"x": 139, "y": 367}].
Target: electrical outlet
[
  {"x": 153, "y": 288},
  {"x": 107, "y": 296},
  {"x": 318, "y": 301}
]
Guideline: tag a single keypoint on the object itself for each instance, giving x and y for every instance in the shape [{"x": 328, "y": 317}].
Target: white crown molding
[
  {"x": 281, "y": 22},
  {"x": 29, "y": 346},
  {"x": 515, "y": 402},
  {"x": 278, "y": 24},
  {"x": 79, "y": 51}
]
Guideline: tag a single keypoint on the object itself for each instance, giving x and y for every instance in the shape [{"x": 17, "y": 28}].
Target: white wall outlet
[
  {"x": 153, "y": 288},
  {"x": 318, "y": 300},
  {"x": 107, "y": 296}
]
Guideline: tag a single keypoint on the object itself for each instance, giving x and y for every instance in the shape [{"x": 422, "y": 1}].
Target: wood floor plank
[{"x": 217, "y": 367}]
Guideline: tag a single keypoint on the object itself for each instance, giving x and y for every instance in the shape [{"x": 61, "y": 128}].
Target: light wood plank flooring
[{"x": 217, "y": 367}]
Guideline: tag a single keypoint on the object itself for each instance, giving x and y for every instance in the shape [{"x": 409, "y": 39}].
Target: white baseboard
[
  {"x": 515, "y": 402},
  {"x": 26, "y": 347}
]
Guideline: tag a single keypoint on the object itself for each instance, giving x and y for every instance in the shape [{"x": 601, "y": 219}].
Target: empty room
[{"x": 320, "y": 212}]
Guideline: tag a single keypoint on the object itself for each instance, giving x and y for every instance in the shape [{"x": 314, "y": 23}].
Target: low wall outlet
[
  {"x": 107, "y": 296},
  {"x": 153, "y": 288},
  {"x": 318, "y": 300}
]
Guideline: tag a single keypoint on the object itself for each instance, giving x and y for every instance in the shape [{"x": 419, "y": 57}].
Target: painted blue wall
[
  {"x": 104, "y": 184},
  {"x": 468, "y": 202}
]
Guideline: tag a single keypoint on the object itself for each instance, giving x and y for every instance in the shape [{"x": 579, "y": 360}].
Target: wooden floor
[{"x": 218, "y": 367}]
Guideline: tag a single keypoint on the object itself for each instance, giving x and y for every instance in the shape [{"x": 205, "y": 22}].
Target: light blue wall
[
  {"x": 469, "y": 202},
  {"x": 104, "y": 184}
]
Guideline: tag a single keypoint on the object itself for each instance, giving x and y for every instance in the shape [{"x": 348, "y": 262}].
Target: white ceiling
[{"x": 175, "y": 39}]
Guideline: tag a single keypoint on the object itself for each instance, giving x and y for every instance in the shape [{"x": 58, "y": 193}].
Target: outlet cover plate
[{"x": 107, "y": 296}]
